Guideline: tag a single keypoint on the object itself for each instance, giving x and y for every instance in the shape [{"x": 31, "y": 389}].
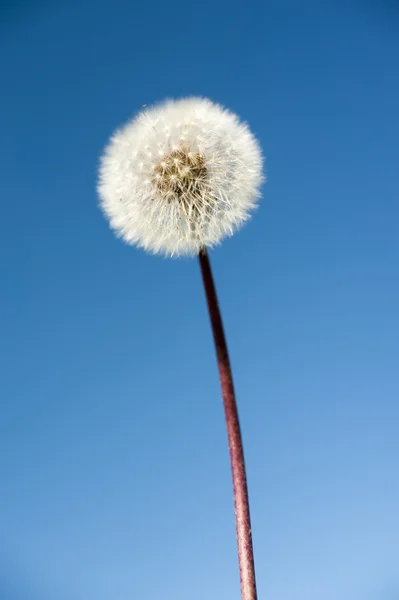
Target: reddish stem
[{"x": 241, "y": 504}]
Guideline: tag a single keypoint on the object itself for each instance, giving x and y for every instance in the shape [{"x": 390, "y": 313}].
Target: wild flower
[{"x": 176, "y": 180}]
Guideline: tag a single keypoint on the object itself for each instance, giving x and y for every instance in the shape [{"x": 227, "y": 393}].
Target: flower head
[{"x": 180, "y": 177}]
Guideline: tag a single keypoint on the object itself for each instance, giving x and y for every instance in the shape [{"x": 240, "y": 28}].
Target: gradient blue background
[{"x": 114, "y": 471}]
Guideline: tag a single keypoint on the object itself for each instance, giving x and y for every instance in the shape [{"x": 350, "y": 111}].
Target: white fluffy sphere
[{"x": 180, "y": 177}]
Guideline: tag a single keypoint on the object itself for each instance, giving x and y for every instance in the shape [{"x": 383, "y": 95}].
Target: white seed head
[{"x": 180, "y": 177}]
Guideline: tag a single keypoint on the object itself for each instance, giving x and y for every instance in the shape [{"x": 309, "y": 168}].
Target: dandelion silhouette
[{"x": 176, "y": 180}]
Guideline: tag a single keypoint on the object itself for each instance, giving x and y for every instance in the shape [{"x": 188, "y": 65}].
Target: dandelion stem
[{"x": 241, "y": 504}]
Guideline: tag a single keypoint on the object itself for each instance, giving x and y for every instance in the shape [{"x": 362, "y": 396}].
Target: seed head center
[{"x": 181, "y": 175}]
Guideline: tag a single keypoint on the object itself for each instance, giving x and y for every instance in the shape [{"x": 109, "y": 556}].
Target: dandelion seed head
[{"x": 180, "y": 176}]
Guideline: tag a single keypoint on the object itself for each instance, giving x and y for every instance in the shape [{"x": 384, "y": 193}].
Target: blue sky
[{"x": 113, "y": 456}]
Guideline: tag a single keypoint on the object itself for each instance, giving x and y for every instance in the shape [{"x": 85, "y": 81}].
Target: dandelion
[
  {"x": 180, "y": 177},
  {"x": 176, "y": 180}
]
